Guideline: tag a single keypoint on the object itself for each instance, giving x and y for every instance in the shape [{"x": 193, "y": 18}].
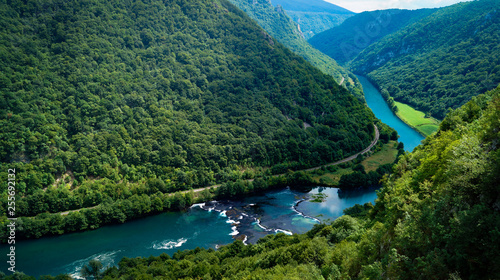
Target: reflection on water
[
  {"x": 335, "y": 202},
  {"x": 288, "y": 210}
]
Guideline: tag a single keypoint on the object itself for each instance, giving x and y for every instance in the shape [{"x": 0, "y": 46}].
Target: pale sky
[{"x": 371, "y": 5}]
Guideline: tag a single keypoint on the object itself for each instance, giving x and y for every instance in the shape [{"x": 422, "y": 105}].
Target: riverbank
[
  {"x": 375, "y": 101},
  {"x": 410, "y": 116}
]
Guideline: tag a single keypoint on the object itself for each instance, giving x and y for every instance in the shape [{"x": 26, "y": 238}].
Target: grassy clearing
[
  {"x": 330, "y": 178},
  {"x": 386, "y": 155},
  {"x": 416, "y": 119}
]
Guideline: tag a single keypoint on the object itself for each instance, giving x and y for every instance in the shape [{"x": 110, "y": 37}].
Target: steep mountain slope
[
  {"x": 276, "y": 22},
  {"x": 103, "y": 100},
  {"x": 313, "y": 16},
  {"x": 437, "y": 217},
  {"x": 441, "y": 61},
  {"x": 346, "y": 41}
]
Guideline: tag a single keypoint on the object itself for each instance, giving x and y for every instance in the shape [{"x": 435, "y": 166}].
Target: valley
[{"x": 249, "y": 139}]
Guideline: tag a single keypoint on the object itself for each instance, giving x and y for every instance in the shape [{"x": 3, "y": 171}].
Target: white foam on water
[
  {"x": 257, "y": 221},
  {"x": 169, "y": 244},
  {"x": 223, "y": 213},
  {"x": 284, "y": 231},
  {"x": 245, "y": 240},
  {"x": 201, "y": 205},
  {"x": 234, "y": 231},
  {"x": 229, "y": 221},
  {"x": 107, "y": 259}
]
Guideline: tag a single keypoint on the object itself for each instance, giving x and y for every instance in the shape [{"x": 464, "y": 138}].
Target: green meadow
[{"x": 416, "y": 119}]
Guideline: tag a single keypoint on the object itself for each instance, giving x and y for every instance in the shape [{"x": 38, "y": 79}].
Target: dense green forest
[
  {"x": 344, "y": 42},
  {"x": 436, "y": 217},
  {"x": 440, "y": 61},
  {"x": 277, "y": 23},
  {"x": 107, "y": 102},
  {"x": 313, "y": 16}
]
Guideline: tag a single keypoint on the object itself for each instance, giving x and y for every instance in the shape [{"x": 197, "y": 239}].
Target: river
[
  {"x": 377, "y": 104},
  {"x": 203, "y": 225}
]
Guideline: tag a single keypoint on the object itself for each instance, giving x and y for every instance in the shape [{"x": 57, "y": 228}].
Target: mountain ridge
[
  {"x": 367, "y": 28},
  {"x": 277, "y": 23},
  {"x": 313, "y": 16},
  {"x": 311, "y": 6}
]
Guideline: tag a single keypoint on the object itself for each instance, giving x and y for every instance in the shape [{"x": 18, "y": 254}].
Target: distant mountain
[
  {"x": 314, "y": 16},
  {"x": 440, "y": 61},
  {"x": 277, "y": 23},
  {"x": 346, "y": 41},
  {"x": 318, "y": 6}
]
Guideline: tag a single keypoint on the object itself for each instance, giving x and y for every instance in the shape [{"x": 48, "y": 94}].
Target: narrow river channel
[{"x": 377, "y": 104}]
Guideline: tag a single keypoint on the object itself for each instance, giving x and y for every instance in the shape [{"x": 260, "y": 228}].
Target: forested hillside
[
  {"x": 436, "y": 217},
  {"x": 277, "y": 23},
  {"x": 105, "y": 100},
  {"x": 313, "y": 16},
  {"x": 441, "y": 61},
  {"x": 346, "y": 41}
]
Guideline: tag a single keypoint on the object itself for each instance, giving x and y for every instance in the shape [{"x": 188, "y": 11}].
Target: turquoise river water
[
  {"x": 203, "y": 225},
  {"x": 376, "y": 102}
]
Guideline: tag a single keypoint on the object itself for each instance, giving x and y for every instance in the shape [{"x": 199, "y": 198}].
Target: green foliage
[
  {"x": 359, "y": 210},
  {"x": 107, "y": 102},
  {"x": 440, "y": 202},
  {"x": 440, "y": 61},
  {"x": 21, "y": 276},
  {"x": 360, "y": 179},
  {"x": 92, "y": 270}
]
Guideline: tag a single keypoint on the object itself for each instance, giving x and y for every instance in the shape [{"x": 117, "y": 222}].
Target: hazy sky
[{"x": 371, "y": 5}]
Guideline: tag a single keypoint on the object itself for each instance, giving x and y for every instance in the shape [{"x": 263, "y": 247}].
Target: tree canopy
[{"x": 107, "y": 102}]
